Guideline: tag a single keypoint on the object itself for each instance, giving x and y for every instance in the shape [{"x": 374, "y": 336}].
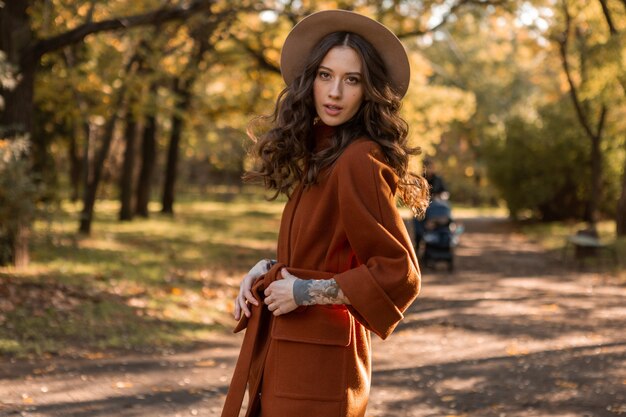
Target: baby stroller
[{"x": 441, "y": 234}]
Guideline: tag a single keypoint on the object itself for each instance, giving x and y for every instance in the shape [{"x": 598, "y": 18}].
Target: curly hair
[{"x": 286, "y": 150}]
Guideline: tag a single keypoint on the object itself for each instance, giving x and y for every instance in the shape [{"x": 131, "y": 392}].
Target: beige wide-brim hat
[{"x": 313, "y": 28}]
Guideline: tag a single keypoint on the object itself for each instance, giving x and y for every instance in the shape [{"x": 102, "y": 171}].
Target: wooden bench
[{"x": 587, "y": 246}]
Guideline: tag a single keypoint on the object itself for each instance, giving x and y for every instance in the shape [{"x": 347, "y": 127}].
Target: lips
[{"x": 332, "y": 110}]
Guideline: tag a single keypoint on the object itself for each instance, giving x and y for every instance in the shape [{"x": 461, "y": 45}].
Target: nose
[{"x": 335, "y": 89}]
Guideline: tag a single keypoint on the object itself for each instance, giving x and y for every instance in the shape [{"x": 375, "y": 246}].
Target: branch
[
  {"x": 607, "y": 16},
  {"x": 572, "y": 88},
  {"x": 156, "y": 17},
  {"x": 444, "y": 20},
  {"x": 453, "y": 9},
  {"x": 601, "y": 121},
  {"x": 258, "y": 55},
  {"x": 439, "y": 70},
  {"x": 89, "y": 17}
]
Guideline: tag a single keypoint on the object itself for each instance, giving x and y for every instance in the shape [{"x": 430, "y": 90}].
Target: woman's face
[{"x": 338, "y": 88}]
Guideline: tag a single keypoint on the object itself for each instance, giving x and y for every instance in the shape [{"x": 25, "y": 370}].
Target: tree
[
  {"x": 126, "y": 178},
  {"x": 24, "y": 52},
  {"x": 182, "y": 85},
  {"x": 616, "y": 45},
  {"x": 601, "y": 88},
  {"x": 148, "y": 155},
  {"x": 583, "y": 111}
]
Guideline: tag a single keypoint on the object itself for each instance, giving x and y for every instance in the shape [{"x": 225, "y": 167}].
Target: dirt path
[{"x": 511, "y": 333}]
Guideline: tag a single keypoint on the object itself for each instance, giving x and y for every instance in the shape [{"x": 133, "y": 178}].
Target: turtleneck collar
[{"x": 322, "y": 134}]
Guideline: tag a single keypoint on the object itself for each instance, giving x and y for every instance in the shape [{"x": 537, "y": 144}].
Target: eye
[
  {"x": 323, "y": 75},
  {"x": 353, "y": 80}
]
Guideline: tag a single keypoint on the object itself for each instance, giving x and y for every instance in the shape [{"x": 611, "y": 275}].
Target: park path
[{"x": 513, "y": 332}]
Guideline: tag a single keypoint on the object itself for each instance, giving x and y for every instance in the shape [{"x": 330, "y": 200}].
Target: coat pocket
[{"x": 312, "y": 353}]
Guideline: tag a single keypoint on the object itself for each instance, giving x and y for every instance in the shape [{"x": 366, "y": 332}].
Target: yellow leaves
[
  {"x": 267, "y": 94},
  {"x": 122, "y": 384},
  {"x": 83, "y": 9},
  {"x": 176, "y": 291}
]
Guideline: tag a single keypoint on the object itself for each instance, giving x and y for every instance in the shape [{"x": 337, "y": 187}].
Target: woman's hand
[
  {"x": 279, "y": 294},
  {"x": 245, "y": 295}
]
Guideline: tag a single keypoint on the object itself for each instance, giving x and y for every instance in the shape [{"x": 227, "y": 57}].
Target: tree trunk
[
  {"x": 15, "y": 40},
  {"x": 596, "y": 182},
  {"x": 582, "y": 111},
  {"x": 75, "y": 164},
  {"x": 16, "y": 118},
  {"x": 621, "y": 205},
  {"x": 184, "y": 100},
  {"x": 171, "y": 168},
  {"x": 620, "y": 216},
  {"x": 596, "y": 170},
  {"x": 91, "y": 187},
  {"x": 21, "y": 253},
  {"x": 148, "y": 157},
  {"x": 126, "y": 179}
]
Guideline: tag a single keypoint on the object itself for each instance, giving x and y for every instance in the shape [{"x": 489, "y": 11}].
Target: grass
[
  {"x": 553, "y": 237},
  {"x": 160, "y": 283},
  {"x": 150, "y": 284}
]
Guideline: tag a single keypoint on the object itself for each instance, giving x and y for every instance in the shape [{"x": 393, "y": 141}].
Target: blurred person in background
[{"x": 438, "y": 191}]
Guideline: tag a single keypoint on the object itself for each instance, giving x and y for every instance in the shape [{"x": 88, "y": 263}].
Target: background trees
[{"x": 519, "y": 101}]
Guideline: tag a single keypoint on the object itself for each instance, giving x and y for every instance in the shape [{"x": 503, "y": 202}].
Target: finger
[
  {"x": 237, "y": 310},
  {"x": 286, "y": 274},
  {"x": 268, "y": 290},
  {"x": 244, "y": 307},
  {"x": 277, "y": 312},
  {"x": 250, "y": 298}
]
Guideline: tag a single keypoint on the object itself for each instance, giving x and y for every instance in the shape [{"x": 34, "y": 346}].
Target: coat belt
[{"x": 255, "y": 344}]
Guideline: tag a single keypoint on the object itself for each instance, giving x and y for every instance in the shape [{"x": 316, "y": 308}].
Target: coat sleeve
[{"x": 388, "y": 278}]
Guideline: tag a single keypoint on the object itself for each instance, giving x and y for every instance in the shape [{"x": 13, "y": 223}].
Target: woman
[{"x": 345, "y": 263}]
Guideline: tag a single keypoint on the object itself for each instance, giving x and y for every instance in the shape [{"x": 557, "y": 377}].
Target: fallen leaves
[
  {"x": 516, "y": 350},
  {"x": 566, "y": 384},
  {"x": 176, "y": 291},
  {"x": 36, "y": 296}
]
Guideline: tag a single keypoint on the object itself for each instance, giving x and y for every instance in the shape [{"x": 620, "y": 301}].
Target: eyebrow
[{"x": 348, "y": 73}]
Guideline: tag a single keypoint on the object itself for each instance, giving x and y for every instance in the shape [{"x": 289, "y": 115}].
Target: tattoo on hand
[{"x": 318, "y": 291}]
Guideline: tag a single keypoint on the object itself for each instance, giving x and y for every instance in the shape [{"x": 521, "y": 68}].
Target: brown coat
[{"x": 315, "y": 361}]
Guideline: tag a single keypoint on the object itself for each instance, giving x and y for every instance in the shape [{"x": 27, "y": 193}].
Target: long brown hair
[{"x": 286, "y": 151}]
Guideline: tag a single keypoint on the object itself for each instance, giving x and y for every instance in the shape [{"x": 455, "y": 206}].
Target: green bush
[{"x": 543, "y": 166}]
